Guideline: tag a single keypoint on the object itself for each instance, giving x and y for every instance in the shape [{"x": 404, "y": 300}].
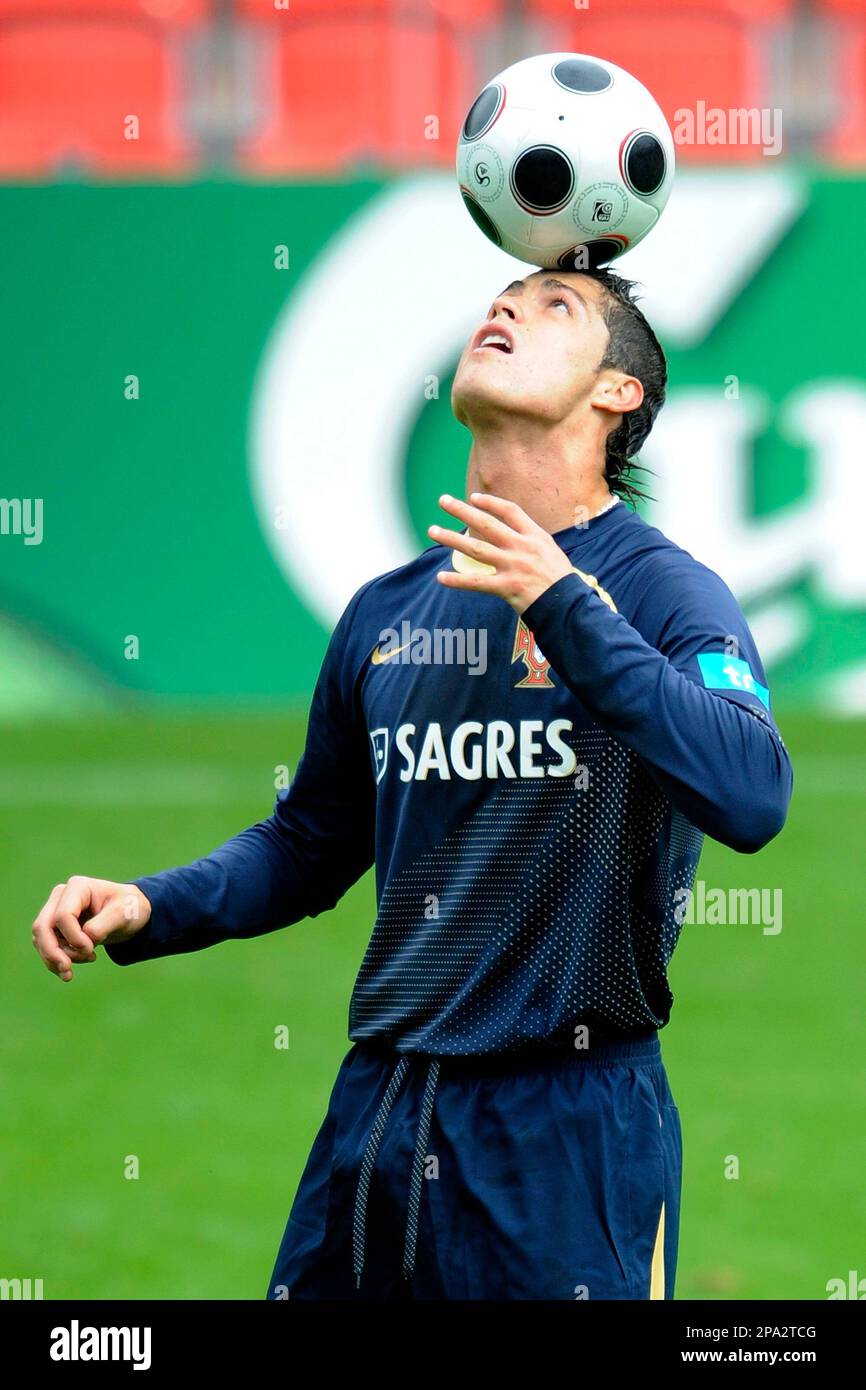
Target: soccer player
[{"x": 528, "y": 729}]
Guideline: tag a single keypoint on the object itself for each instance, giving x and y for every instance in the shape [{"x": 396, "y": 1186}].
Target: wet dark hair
[{"x": 633, "y": 348}]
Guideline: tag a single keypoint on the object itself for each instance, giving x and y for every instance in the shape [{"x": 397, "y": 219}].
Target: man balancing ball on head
[{"x": 502, "y": 1126}]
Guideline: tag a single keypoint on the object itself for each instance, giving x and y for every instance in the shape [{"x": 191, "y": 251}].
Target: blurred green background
[{"x": 159, "y": 515}]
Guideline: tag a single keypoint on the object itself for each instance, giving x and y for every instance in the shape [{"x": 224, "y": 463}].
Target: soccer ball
[{"x": 565, "y": 160}]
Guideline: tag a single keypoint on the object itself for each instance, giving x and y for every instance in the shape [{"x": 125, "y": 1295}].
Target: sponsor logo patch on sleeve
[{"x": 721, "y": 672}]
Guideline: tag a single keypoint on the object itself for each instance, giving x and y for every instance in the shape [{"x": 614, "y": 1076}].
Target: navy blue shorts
[{"x": 490, "y": 1178}]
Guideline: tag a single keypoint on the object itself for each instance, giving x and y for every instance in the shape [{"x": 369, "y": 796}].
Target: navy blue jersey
[{"x": 533, "y": 792}]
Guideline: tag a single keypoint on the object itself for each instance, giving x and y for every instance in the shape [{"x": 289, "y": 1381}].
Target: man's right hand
[{"x": 85, "y": 913}]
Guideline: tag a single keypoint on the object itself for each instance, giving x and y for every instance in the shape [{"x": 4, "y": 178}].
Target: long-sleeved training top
[{"x": 534, "y": 806}]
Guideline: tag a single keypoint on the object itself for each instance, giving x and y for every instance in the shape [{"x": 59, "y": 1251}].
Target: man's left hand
[{"x": 525, "y": 557}]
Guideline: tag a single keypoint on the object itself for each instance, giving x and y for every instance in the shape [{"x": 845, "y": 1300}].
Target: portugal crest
[{"x": 527, "y": 650}]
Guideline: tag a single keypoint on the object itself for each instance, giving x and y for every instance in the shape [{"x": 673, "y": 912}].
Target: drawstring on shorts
[
  {"x": 418, "y": 1169},
  {"x": 359, "y": 1224}
]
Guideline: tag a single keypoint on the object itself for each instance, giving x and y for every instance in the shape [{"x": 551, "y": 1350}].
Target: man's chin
[{"x": 475, "y": 397}]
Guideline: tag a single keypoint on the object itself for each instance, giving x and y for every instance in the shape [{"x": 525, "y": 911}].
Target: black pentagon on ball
[
  {"x": 542, "y": 179},
  {"x": 480, "y": 218},
  {"x": 483, "y": 112},
  {"x": 582, "y": 75},
  {"x": 590, "y": 255},
  {"x": 644, "y": 163}
]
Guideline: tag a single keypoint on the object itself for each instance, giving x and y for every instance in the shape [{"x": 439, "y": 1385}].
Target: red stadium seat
[
  {"x": 163, "y": 11},
  {"x": 457, "y": 12},
  {"x": 853, "y": 9},
  {"x": 469, "y": 11},
  {"x": 711, "y": 59},
  {"x": 753, "y": 10},
  {"x": 67, "y": 89},
  {"x": 846, "y": 142},
  {"x": 361, "y": 92}
]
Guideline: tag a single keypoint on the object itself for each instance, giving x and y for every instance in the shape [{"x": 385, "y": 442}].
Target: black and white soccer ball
[{"x": 565, "y": 160}]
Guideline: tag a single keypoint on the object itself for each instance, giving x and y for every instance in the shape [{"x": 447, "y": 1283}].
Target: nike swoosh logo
[{"x": 379, "y": 657}]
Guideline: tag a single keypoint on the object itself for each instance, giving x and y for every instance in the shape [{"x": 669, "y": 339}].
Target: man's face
[{"x": 555, "y": 337}]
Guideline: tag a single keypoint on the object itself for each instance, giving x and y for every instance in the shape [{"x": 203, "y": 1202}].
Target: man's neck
[{"x": 558, "y": 485}]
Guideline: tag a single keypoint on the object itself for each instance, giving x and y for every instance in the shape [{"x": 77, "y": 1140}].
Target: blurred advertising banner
[{"x": 226, "y": 406}]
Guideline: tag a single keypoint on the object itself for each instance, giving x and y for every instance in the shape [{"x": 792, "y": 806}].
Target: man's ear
[{"x": 617, "y": 393}]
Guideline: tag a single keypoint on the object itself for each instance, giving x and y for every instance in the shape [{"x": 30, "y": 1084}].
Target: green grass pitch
[{"x": 174, "y": 1061}]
